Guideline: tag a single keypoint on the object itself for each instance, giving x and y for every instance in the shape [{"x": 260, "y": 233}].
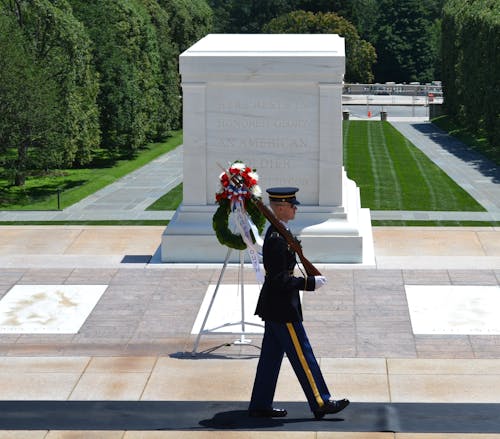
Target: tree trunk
[
  {"x": 21, "y": 165},
  {"x": 20, "y": 178}
]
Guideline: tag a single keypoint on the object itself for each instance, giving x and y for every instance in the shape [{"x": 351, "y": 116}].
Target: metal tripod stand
[{"x": 241, "y": 323}]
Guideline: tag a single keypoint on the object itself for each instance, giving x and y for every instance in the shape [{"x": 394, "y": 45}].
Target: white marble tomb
[{"x": 274, "y": 102}]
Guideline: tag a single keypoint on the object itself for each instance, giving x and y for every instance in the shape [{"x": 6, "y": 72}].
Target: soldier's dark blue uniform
[{"x": 280, "y": 307}]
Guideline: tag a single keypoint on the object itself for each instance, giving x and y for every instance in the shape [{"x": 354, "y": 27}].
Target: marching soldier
[{"x": 280, "y": 308}]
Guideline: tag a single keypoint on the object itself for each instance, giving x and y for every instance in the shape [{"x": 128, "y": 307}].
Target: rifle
[{"x": 292, "y": 241}]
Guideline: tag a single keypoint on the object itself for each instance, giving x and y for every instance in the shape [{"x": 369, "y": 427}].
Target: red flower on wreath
[{"x": 229, "y": 191}]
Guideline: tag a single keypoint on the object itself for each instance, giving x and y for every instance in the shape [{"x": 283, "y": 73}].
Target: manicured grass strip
[
  {"x": 169, "y": 201},
  {"x": 357, "y": 158},
  {"x": 393, "y": 174},
  {"x": 87, "y": 223},
  {"x": 41, "y": 193},
  {"x": 409, "y": 223},
  {"x": 375, "y": 223},
  {"x": 426, "y": 174}
]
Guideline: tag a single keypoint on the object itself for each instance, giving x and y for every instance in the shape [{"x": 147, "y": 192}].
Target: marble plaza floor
[{"x": 123, "y": 367}]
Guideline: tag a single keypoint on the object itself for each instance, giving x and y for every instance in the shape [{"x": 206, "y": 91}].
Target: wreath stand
[{"x": 242, "y": 323}]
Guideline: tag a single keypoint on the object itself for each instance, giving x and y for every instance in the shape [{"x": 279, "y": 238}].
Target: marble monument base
[{"x": 340, "y": 234}]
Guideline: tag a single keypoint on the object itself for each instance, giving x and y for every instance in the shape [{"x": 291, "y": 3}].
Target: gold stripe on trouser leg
[{"x": 305, "y": 366}]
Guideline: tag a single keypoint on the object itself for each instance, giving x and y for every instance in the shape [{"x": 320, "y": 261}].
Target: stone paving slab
[
  {"x": 107, "y": 246},
  {"x": 137, "y": 344},
  {"x": 150, "y": 310},
  {"x": 359, "y": 313},
  {"x": 75, "y": 396},
  {"x": 165, "y": 378},
  {"x": 89, "y": 434}
]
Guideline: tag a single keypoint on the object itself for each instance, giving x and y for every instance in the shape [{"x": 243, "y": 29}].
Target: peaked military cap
[{"x": 283, "y": 194}]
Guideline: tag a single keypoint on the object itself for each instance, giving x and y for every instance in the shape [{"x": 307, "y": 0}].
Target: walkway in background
[
  {"x": 125, "y": 199},
  {"x": 128, "y": 198},
  {"x": 476, "y": 175}
]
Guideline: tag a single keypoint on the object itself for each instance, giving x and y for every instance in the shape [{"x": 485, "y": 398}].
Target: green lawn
[
  {"x": 41, "y": 192},
  {"x": 169, "y": 201},
  {"x": 393, "y": 174}
]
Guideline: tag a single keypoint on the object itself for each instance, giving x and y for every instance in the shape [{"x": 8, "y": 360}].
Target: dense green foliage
[
  {"x": 80, "y": 75},
  {"x": 471, "y": 65},
  {"x": 28, "y": 106},
  {"x": 248, "y": 16},
  {"x": 189, "y": 21},
  {"x": 126, "y": 57},
  {"x": 77, "y": 76},
  {"x": 169, "y": 109},
  {"x": 407, "y": 40},
  {"x": 362, "y": 14},
  {"x": 393, "y": 174},
  {"x": 405, "y": 34},
  {"x": 49, "y": 88},
  {"x": 360, "y": 55}
]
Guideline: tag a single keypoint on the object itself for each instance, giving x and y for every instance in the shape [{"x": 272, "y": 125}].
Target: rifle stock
[{"x": 294, "y": 244}]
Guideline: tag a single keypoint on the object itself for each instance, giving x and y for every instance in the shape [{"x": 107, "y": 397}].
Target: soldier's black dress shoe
[
  {"x": 267, "y": 413},
  {"x": 331, "y": 406}
]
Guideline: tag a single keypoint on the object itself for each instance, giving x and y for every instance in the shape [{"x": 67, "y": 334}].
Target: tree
[
  {"x": 28, "y": 103},
  {"x": 168, "y": 117},
  {"x": 127, "y": 59},
  {"x": 137, "y": 43},
  {"x": 189, "y": 21},
  {"x": 472, "y": 89},
  {"x": 361, "y": 13},
  {"x": 52, "y": 106},
  {"x": 248, "y": 16},
  {"x": 360, "y": 55},
  {"x": 184, "y": 23},
  {"x": 407, "y": 40}
]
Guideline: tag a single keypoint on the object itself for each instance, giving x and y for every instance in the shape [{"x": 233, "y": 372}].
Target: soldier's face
[{"x": 288, "y": 211}]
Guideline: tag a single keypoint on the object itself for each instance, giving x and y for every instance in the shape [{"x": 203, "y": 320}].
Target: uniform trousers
[{"x": 289, "y": 338}]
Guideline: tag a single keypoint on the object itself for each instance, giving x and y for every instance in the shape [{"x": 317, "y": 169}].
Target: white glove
[{"x": 319, "y": 281}]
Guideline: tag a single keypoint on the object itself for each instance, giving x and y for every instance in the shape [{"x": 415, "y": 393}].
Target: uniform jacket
[{"x": 279, "y": 299}]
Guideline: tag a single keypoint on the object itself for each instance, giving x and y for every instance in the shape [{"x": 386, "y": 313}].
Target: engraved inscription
[
  {"x": 260, "y": 104},
  {"x": 274, "y": 163},
  {"x": 301, "y": 182},
  {"x": 263, "y": 143},
  {"x": 261, "y": 123},
  {"x": 274, "y": 130}
]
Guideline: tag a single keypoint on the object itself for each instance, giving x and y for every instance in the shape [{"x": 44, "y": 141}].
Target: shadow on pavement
[{"x": 460, "y": 150}]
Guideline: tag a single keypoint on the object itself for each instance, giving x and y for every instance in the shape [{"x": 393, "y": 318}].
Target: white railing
[{"x": 392, "y": 94}]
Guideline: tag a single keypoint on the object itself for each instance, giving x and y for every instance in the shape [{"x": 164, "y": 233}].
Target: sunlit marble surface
[
  {"x": 454, "y": 309},
  {"x": 228, "y": 310},
  {"x": 47, "y": 309}
]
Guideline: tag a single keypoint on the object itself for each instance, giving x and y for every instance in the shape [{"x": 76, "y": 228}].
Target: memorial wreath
[{"x": 231, "y": 198}]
